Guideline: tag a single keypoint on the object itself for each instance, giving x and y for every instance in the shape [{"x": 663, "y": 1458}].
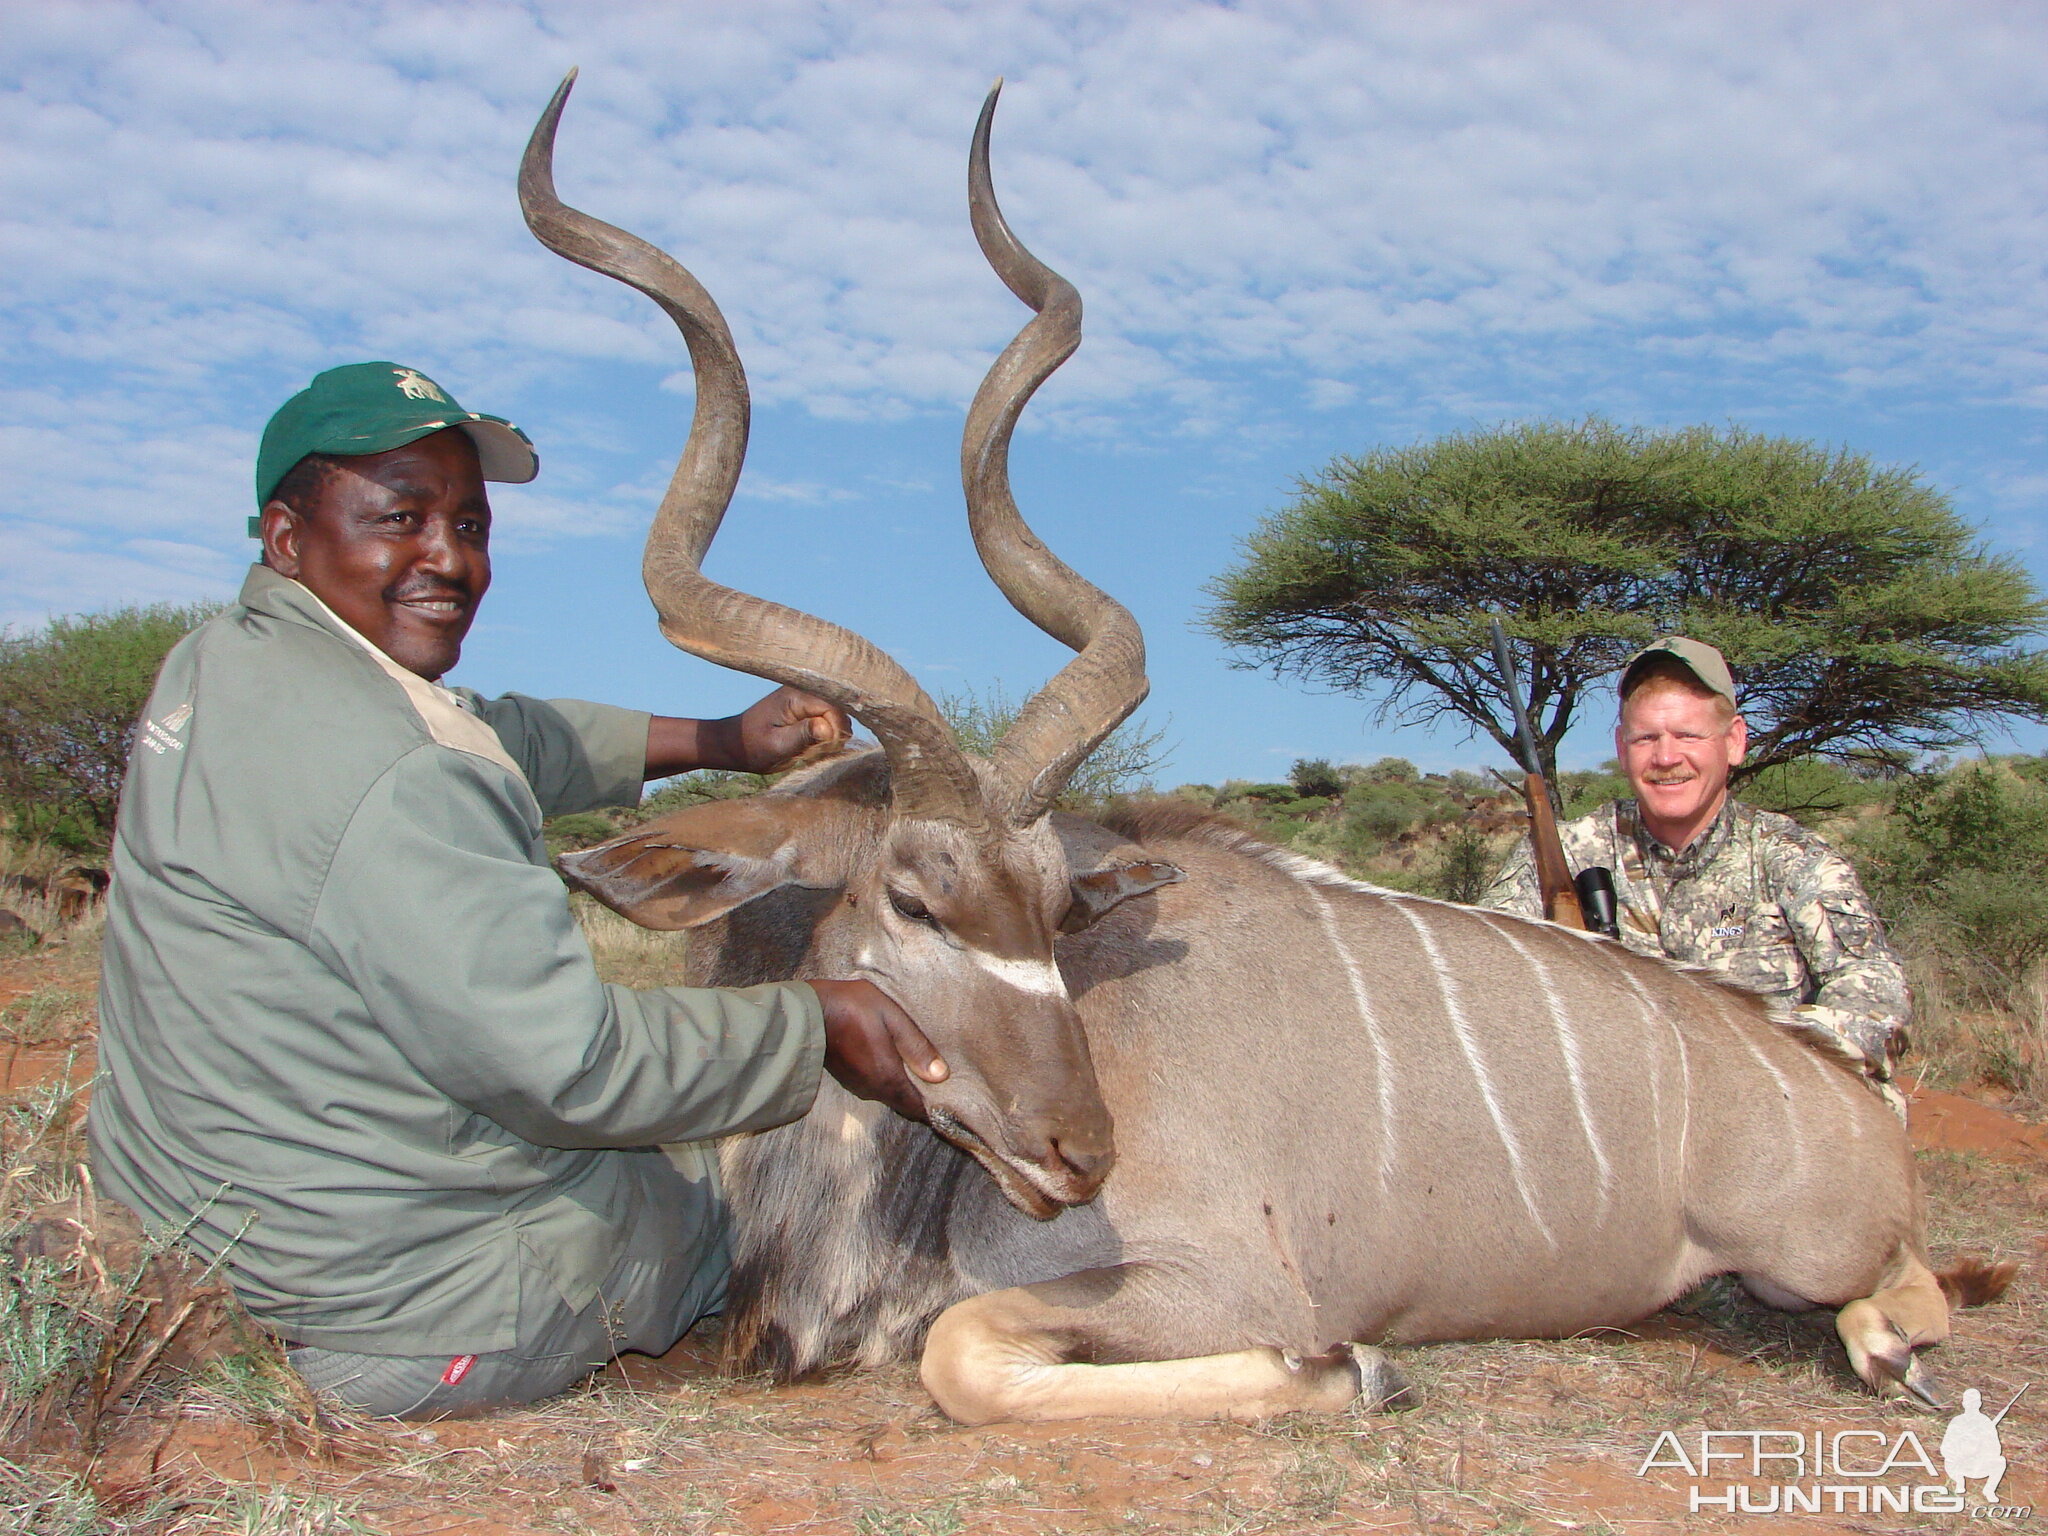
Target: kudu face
[
  {"x": 958, "y": 929},
  {"x": 960, "y": 932},
  {"x": 952, "y": 878}
]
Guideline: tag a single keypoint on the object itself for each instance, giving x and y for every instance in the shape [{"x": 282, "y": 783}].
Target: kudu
[{"x": 1342, "y": 1114}]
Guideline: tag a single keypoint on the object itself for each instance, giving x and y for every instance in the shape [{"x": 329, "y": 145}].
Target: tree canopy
[
  {"x": 69, "y": 697},
  {"x": 1862, "y": 616}
]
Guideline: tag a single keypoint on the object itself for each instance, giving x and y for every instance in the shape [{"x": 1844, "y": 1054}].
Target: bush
[
  {"x": 1465, "y": 866},
  {"x": 1956, "y": 870},
  {"x": 1964, "y": 851},
  {"x": 1125, "y": 762},
  {"x": 1315, "y": 776},
  {"x": 1391, "y": 770},
  {"x": 688, "y": 789},
  {"x": 578, "y": 829},
  {"x": 1583, "y": 791},
  {"x": 1810, "y": 791},
  {"x": 69, "y": 698},
  {"x": 1378, "y": 812},
  {"x": 1264, "y": 794}
]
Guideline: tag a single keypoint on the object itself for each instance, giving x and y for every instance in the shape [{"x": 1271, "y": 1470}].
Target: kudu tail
[{"x": 1974, "y": 1282}]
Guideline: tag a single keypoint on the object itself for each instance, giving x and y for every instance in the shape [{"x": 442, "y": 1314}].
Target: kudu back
[{"x": 1342, "y": 1116}]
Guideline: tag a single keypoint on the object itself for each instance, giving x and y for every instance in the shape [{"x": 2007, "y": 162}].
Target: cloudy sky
[{"x": 1300, "y": 229}]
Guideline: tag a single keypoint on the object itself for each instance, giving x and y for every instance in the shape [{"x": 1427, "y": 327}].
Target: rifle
[{"x": 1553, "y": 875}]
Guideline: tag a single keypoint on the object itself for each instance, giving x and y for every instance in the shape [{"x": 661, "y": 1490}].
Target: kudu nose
[
  {"x": 1085, "y": 1160},
  {"x": 1076, "y": 1154}
]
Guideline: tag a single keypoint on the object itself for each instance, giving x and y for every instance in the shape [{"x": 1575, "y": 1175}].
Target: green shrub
[
  {"x": 1811, "y": 791},
  {"x": 688, "y": 789},
  {"x": 69, "y": 698},
  {"x": 1464, "y": 867},
  {"x": 1964, "y": 852},
  {"x": 1390, "y": 770},
  {"x": 1377, "y": 813},
  {"x": 1315, "y": 776},
  {"x": 578, "y": 829},
  {"x": 1585, "y": 791},
  {"x": 1264, "y": 794},
  {"x": 1123, "y": 764}
]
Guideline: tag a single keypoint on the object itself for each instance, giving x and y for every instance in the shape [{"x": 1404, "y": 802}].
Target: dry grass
[
  {"x": 626, "y": 953},
  {"x": 1961, "y": 1044}
]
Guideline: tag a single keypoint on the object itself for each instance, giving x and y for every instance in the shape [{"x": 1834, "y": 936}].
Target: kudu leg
[
  {"x": 1023, "y": 1353},
  {"x": 1883, "y": 1330}
]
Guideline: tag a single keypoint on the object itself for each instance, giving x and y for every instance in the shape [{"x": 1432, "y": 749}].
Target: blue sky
[{"x": 1300, "y": 229}]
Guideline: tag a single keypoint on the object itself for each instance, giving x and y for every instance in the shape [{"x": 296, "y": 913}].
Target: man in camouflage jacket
[{"x": 1703, "y": 879}]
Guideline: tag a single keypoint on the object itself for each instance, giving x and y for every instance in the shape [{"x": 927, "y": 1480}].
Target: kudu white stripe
[
  {"x": 1041, "y": 978},
  {"x": 1575, "y": 1066},
  {"x": 1383, "y": 1062},
  {"x": 1462, "y": 1027}
]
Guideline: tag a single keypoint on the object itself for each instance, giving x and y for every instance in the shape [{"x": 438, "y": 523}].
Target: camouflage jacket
[{"x": 1757, "y": 898}]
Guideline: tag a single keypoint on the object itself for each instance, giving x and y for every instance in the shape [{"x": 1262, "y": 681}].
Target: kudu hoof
[
  {"x": 1919, "y": 1382},
  {"x": 1896, "y": 1371},
  {"x": 1381, "y": 1386}
]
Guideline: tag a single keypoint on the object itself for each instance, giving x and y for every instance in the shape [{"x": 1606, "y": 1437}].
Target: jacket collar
[
  {"x": 448, "y": 719},
  {"x": 1700, "y": 851}
]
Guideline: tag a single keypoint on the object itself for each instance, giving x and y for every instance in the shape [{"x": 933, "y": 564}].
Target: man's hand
[
  {"x": 785, "y": 725},
  {"x": 760, "y": 739},
  {"x": 872, "y": 1046}
]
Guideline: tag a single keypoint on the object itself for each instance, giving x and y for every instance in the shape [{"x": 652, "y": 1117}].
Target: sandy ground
[{"x": 1509, "y": 1436}]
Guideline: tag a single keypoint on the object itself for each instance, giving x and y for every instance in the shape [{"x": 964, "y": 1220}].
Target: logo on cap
[{"x": 415, "y": 385}]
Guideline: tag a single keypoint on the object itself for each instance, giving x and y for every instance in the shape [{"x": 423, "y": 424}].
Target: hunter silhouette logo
[
  {"x": 1970, "y": 1447},
  {"x": 415, "y": 385}
]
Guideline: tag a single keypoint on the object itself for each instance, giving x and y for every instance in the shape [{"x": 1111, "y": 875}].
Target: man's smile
[{"x": 439, "y": 606}]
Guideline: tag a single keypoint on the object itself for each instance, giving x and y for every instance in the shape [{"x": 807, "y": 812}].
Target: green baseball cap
[
  {"x": 1696, "y": 656},
  {"x": 373, "y": 408}
]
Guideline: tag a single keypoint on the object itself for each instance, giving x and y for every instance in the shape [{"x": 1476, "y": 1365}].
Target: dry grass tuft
[
  {"x": 626, "y": 953},
  {"x": 1960, "y": 1043}
]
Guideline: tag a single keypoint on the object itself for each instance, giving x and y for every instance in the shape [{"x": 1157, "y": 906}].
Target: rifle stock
[{"x": 1553, "y": 875}]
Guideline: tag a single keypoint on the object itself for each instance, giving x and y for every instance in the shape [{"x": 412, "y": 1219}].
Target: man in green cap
[
  {"x": 1702, "y": 878},
  {"x": 352, "y": 1041}
]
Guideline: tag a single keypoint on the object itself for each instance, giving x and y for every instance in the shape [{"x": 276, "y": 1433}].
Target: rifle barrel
[{"x": 1525, "y": 734}]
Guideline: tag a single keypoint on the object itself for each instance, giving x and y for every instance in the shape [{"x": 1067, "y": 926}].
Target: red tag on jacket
[{"x": 457, "y": 1369}]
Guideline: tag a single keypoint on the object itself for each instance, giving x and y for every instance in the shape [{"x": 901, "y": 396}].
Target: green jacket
[{"x": 350, "y": 1032}]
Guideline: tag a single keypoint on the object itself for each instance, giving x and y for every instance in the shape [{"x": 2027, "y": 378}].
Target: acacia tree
[{"x": 1861, "y": 615}]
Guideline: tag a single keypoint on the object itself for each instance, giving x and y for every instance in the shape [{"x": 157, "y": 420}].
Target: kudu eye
[{"x": 910, "y": 907}]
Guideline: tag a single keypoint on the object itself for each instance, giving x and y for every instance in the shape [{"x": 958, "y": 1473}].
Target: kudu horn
[
  {"x": 1093, "y": 694},
  {"x": 931, "y": 777},
  {"x": 1060, "y": 724}
]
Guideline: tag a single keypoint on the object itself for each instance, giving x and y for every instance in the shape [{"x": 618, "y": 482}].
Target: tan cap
[{"x": 1696, "y": 656}]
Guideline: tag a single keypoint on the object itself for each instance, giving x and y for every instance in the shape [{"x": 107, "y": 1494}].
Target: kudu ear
[
  {"x": 698, "y": 864},
  {"x": 1105, "y": 870}
]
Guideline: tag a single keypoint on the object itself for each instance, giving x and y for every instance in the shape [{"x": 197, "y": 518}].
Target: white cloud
[
  {"x": 799, "y": 492},
  {"x": 1480, "y": 207}
]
